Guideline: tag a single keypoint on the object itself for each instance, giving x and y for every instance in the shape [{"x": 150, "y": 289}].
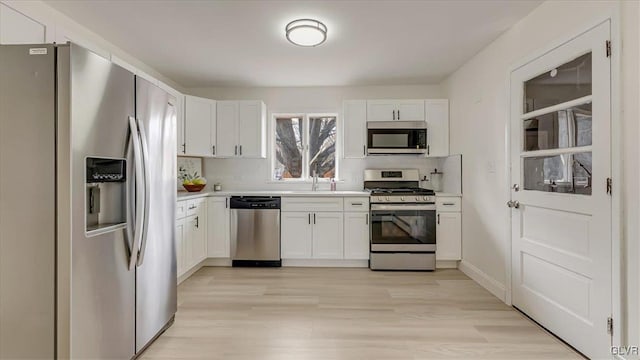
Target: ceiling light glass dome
[{"x": 306, "y": 32}]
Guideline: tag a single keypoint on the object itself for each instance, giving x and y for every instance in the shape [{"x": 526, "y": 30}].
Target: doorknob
[
  {"x": 516, "y": 204},
  {"x": 510, "y": 203},
  {"x": 516, "y": 187}
]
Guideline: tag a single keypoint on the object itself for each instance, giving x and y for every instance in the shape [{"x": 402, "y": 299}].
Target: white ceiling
[{"x": 242, "y": 43}]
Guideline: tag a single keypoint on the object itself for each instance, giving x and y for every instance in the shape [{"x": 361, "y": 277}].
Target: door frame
[{"x": 616, "y": 162}]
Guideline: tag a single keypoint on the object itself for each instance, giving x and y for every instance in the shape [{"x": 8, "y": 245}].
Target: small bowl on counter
[{"x": 194, "y": 187}]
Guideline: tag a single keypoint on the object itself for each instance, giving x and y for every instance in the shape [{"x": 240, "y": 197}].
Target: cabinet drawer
[
  {"x": 181, "y": 209},
  {"x": 194, "y": 205},
  {"x": 448, "y": 204},
  {"x": 356, "y": 204},
  {"x": 312, "y": 204}
]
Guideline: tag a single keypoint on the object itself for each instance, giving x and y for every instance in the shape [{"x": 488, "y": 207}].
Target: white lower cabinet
[
  {"x": 191, "y": 234},
  {"x": 448, "y": 229},
  {"x": 180, "y": 246},
  {"x": 328, "y": 236},
  {"x": 218, "y": 231},
  {"x": 296, "y": 235},
  {"x": 356, "y": 235}
]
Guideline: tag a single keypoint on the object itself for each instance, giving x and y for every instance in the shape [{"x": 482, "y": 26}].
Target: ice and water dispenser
[{"x": 106, "y": 195}]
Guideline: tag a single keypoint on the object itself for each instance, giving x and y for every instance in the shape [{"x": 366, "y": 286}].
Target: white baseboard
[
  {"x": 492, "y": 285},
  {"x": 447, "y": 264},
  {"x": 191, "y": 271},
  {"x": 325, "y": 263}
]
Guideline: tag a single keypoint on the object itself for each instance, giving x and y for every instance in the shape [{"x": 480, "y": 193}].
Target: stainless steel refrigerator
[{"x": 87, "y": 202}]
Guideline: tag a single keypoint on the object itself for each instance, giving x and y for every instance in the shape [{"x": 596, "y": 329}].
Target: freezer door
[
  {"x": 156, "y": 299},
  {"x": 102, "y": 305},
  {"x": 27, "y": 218}
]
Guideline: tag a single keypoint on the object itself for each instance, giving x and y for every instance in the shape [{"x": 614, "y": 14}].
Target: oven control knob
[
  {"x": 417, "y": 198},
  {"x": 402, "y": 198},
  {"x": 387, "y": 198},
  {"x": 426, "y": 198}
]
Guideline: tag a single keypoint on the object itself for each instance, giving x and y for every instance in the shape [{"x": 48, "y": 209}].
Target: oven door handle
[{"x": 429, "y": 207}]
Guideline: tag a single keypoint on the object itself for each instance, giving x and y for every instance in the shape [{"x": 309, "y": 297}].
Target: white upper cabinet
[
  {"x": 17, "y": 28},
  {"x": 437, "y": 111},
  {"x": 200, "y": 126},
  {"x": 241, "y": 129},
  {"x": 393, "y": 110},
  {"x": 355, "y": 129}
]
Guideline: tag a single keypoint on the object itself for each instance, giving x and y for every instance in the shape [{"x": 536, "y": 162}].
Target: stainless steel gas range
[{"x": 403, "y": 220}]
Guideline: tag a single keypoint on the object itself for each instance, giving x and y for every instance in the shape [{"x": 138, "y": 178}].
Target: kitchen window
[{"x": 304, "y": 144}]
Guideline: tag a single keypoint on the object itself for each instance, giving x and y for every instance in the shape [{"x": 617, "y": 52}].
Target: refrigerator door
[
  {"x": 156, "y": 278},
  {"x": 102, "y": 305},
  {"x": 27, "y": 218}
]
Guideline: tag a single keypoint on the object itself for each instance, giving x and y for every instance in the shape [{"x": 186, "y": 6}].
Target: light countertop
[{"x": 184, "y": 195}]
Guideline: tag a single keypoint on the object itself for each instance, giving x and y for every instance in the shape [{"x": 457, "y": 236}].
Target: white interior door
[{"x": 561, "y": 208}]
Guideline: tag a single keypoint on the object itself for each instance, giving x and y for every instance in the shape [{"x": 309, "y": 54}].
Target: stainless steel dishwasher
[{"x": 255, "y": 231}]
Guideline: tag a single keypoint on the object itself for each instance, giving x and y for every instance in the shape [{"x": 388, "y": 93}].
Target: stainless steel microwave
[{"x": 396, "y": 137}]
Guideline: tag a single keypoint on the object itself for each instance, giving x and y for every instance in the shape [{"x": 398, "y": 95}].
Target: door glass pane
[
  {"x": 564, "y": 83},
  {"x": 322, "y": 146},
  {"x": 288, "y": 148},
  {"x": 566, "y": 173},
  {"x": 560, "y": 129}
]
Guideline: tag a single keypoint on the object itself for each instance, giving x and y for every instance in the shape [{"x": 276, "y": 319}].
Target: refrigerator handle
[
  {"x": 139, "y": 196},
  {"x": 147, "y": 181}
]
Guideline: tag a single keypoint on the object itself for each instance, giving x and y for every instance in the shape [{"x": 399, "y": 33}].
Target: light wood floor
[{"x": 320, "y": 313}]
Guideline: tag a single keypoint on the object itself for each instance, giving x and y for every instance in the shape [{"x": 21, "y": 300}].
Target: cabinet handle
[
  {"x": 197, "y": 222},
  {"x": 364, "y": 150},
  {"x": 356, "y": 204},
  {"x": 184, "y": 148},
  {"x": 427, "y": 149},
  {"x": 367, "y": 222},
  {"x": 309, "y": 218},
  {"x": 314, "y": 219},
  {"x": 448, "y": 204},
  {"x": 214, "y": 149},
  {"x": 192, "y": 207},
  {"x": 236, "y": 150},
  {"x": 226, "y": 203},
  {"x": 240, "y": 150},
  {"x": 394, "y": 114},
  {"x": 438, "y": 219},
  {"x": 398, "y": 114}
]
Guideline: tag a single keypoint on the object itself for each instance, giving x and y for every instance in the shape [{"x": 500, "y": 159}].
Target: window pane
[
  {"x": 560, "y": 129},
  {"x": 288, "y": 148},
  {"x": 564, "y": 83},
  {"x": 567, "y": 173},
  {"x": 322, "y": 146}
]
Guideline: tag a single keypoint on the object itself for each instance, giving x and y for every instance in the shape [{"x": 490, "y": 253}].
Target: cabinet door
[
  {"x": 410, "y": 110},
  {"x": 355, "y": 129},
  {"x": 218, "y": 234},
  {"x": 200, "y": 240},
  {"x": 181, "y": 144},
  {"x": 356, "y": 235},
  {"x": 296, "y": 233},
  {"x": 437, "y": 112},
  {"x": 190, "y": 234},
  {"x": 252, "y": 121},
  {"x": 449, "y": 236},
  {"x": 381, "y": 110},
  {"x": 180, "y": 243},
  {"x": 17, "y": 28},
  {"x": 227, "y": 128},
  {"x": 328, "y": 235},
  {"x": 198, "y": 126}
]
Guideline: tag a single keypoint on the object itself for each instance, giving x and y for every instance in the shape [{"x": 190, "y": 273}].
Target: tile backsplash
[{"x": 188, "y": 165}]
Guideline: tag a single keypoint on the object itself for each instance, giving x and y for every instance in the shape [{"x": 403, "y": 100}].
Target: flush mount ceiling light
[{"x": 306, "y": 32}]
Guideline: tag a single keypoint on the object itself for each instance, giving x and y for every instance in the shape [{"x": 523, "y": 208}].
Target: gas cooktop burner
[{"x": 401, "y": 191}]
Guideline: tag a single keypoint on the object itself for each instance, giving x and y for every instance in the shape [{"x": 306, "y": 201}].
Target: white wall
[
  {"x": 255, "y": 174},
  {"x": 59, "y": 26},
  {"x": 479, "y": 98}
]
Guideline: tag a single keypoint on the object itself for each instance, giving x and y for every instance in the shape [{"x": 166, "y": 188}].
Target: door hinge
[
  {"x": 609, "y": 186},
  {"x": 608, "y": 47},
  {"x": 610, "y": 326}
]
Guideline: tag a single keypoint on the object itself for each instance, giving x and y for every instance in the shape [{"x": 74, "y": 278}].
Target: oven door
[
  {"x": 403, "y": 228},
  {"x": 396, "y": 140}
]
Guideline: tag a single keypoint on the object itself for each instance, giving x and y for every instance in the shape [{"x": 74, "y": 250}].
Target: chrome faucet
[{"x": 314, "y": 184}]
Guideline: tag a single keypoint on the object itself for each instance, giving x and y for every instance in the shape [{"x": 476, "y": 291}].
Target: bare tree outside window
[{"x": 304, "y": 145}]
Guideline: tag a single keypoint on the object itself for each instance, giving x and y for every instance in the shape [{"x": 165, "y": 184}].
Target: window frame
[{"x": 305, "y": 116}]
